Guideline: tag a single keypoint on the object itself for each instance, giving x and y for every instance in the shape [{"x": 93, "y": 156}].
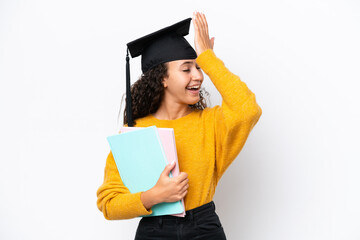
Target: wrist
[
  {"x": 199, "y": 53},
  {"x": 149, "y": 198},
  {"x": 155, "y": 195}
]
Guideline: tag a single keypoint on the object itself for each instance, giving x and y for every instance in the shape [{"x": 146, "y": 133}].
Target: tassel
[{"x": 128, "y": 92}]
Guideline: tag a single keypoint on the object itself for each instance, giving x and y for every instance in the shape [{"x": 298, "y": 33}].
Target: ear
[{"x": 164, "y": 82}]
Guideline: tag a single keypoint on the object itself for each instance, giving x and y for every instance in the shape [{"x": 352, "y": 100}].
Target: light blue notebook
[{"x": 140, "y": 159}]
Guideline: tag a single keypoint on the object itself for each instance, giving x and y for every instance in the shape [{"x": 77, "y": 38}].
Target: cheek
[{"x": 178, "y": 84}]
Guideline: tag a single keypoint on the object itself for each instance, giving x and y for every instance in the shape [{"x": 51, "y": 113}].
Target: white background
[{"x": 62, "y": 72}]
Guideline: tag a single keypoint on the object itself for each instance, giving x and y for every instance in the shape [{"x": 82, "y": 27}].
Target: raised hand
[{"x": 202, "y": 41}]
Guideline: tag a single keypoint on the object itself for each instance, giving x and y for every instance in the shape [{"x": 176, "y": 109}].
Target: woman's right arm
[{"x": 115, "y": 201}]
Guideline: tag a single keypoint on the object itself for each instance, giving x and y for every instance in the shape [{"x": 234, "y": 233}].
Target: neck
[{"x": 175, "y": 111}]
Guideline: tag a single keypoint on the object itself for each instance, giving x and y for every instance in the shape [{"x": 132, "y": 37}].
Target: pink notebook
[{"x": 167, "y": 138}]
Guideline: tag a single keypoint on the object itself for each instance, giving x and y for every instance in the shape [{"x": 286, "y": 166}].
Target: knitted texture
[{"x": 207, "y": 142}]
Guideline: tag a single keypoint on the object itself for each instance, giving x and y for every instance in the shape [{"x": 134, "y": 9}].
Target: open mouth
[{"x": 193, "y": 89}]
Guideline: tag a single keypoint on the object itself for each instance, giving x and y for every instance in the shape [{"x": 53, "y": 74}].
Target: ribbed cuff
[
  {"x": 141, "y": 207},
  {"x": 206, "y": 58}
]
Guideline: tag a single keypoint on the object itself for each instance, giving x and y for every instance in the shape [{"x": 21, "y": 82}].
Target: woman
[{"x": 207, "y": 139}]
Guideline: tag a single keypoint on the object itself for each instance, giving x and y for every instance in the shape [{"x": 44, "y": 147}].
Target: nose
[{"x": 197, "y": 75}]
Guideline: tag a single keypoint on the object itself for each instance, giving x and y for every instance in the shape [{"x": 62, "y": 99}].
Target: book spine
[{"x": 162, "y": 149}]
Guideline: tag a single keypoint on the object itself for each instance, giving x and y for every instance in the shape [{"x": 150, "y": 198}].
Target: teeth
[{"x": 194, "y": 87}]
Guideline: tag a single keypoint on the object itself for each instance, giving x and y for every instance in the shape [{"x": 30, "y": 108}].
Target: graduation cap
[{"x": 165, "y": 45}]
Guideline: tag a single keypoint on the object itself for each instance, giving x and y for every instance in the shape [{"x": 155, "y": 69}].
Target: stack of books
[{"x": 141, "y": 155}]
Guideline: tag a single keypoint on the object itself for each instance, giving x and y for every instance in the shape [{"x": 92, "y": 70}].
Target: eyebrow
[{"x": 187, "y": 62}]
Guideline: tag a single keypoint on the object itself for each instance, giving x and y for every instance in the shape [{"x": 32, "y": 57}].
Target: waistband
[{"x": 190, "y": 214}]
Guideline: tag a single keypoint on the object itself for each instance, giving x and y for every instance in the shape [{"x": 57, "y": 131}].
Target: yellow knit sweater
[{"x": 207, "y": 142}]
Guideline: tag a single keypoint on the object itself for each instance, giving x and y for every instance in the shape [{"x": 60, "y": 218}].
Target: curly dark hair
[{"x": 147, "y": 93}]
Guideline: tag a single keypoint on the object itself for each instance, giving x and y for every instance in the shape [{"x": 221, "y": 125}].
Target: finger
[
  {"x": 194, "y": 20},
  {"x": 196, "y": 24},
  {"x": 205, "y": 23},
  {"x": 182, "y": 176},
  {"x": 184, "y": 188},
  {"x": 200, "y": 21},
  {"x": 184, "y": 182},
  {"x": 168, "y": 168},
  {"x": 204, "y": 31}
]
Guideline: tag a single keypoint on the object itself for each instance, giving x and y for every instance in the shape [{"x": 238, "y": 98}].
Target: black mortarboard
[{"x": 165, "y": 45}]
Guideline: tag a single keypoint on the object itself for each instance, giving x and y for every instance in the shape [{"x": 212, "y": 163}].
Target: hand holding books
[
  {"x": 172, "y": 189},
  {"x": 166, "y": 189}
]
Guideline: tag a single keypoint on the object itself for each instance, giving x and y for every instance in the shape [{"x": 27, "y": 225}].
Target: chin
[{"x": 194, "y": 102}]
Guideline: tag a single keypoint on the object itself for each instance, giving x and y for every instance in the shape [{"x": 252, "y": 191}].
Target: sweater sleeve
[
  {"x": 114, "y": 200},
  {"x": 236, "y": 116}
]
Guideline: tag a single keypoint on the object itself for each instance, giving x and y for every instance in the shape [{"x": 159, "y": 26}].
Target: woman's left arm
[
  {"x": 239, "y": 111},
  {"x": 237, "y": 115}
]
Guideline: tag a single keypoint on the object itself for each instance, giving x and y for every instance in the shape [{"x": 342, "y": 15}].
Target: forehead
[{"x": 183, "y": 62}]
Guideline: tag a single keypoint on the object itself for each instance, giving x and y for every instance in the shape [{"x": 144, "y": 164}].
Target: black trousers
[{"x": 199, "y": 223}]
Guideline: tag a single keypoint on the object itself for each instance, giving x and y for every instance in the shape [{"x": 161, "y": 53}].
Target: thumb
[
  {"x": 212, "y": 40},
  {"x": 168, "y": 168}
]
